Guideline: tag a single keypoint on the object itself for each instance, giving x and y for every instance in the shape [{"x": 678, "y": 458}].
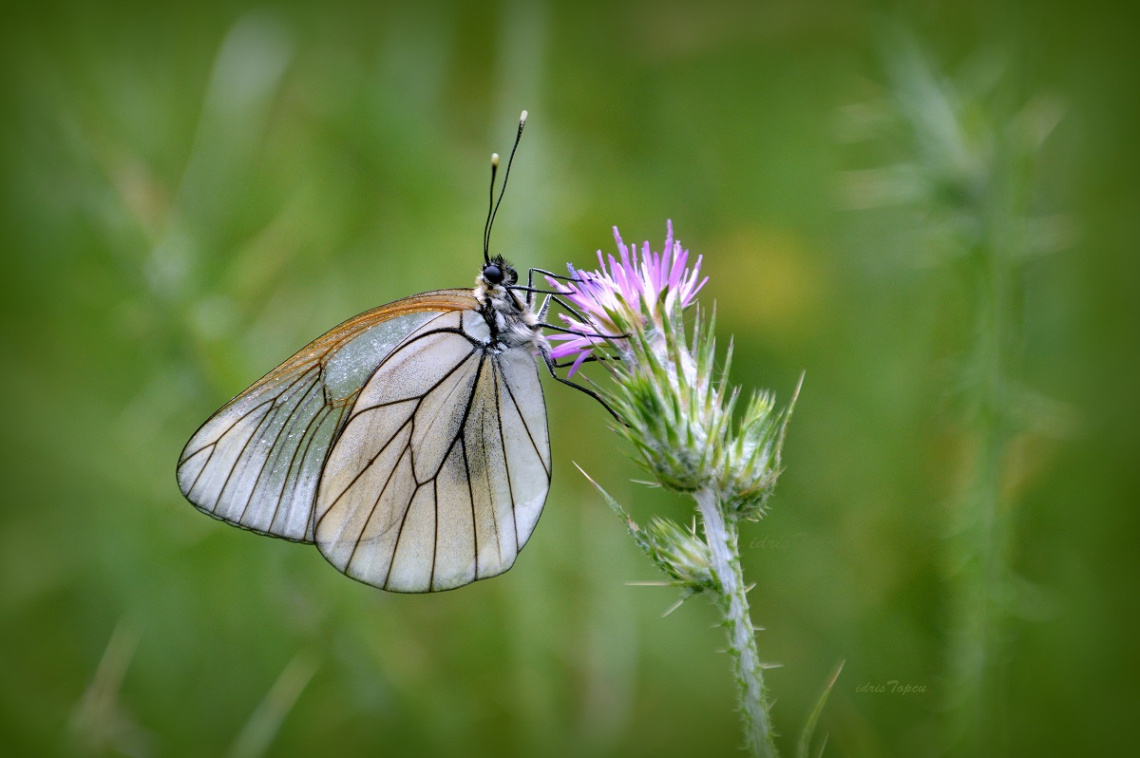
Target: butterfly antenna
[
  {"x": 502, "y": 190},
  {"x": 490, "y": 210}
]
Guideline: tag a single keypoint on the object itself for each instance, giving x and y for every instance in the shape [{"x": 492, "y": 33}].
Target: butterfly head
[
  {"x": 509, "y": 317},
  {"x": 496, "y": 273}
]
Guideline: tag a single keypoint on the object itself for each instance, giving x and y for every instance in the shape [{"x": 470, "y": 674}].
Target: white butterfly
[{"x": 409, "y": 443}]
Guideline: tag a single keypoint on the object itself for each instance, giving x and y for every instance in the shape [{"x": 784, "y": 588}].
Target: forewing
[
  {"x": 431, "y": 491},
  {"x": 257, "y": 462}
]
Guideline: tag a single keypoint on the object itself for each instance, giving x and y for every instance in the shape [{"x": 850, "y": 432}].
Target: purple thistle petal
[
  {"x": 631, "y": 284},
  {"x": 578, "y": 362}
]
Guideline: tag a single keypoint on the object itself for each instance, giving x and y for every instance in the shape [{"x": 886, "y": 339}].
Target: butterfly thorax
[{"x": 509, "y": 318}]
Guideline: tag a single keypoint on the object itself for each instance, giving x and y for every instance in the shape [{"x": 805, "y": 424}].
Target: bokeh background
[{"x": 930, "y": 209}]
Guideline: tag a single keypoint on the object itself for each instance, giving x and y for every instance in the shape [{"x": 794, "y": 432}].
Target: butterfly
[{"x": 410, "y": 443}]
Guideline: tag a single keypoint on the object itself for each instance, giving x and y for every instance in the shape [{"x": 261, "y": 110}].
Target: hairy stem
[
  {"x": 983, "y": 545},
  {"x": 722, "y": 536}
]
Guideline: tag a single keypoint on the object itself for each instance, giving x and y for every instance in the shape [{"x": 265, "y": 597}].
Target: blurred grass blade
[
  {"x": 97, "y": 724},
  {"x": 804, "y": 747},
  {"x": 266, "y": 720}
]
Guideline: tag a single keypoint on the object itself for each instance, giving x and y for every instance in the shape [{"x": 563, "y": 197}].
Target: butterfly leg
[
  {"x": 550, "y": 365},
  {"x": 592, "y": 335},
  {"x": 532, "y": 289},
  {"x": 591, "y": 359},
  {"x": 552, "y": 295},
  {"x": 551, "y": 274}
]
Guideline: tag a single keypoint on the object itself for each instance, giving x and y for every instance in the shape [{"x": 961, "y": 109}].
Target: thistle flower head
[
  {"x": 640, "y": 290},
  {"x": 679, "y": 552},
  {"x": 677, "y": 407}
]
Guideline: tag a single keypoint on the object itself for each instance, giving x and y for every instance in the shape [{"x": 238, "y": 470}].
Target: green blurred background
[{"x": 192, "y": 192}]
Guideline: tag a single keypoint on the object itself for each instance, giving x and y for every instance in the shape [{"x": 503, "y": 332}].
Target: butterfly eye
[{"x": 493, "y": 274}]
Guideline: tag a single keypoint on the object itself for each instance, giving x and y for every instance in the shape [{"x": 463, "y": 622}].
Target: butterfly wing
[
  {"x": 443, "y": 467},
  {"x": 257, "y": 462}
]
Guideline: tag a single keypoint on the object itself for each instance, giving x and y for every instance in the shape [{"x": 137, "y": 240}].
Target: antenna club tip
[
  {"x": 522, "y": 118},
  {"x": 494, "y": 159}
]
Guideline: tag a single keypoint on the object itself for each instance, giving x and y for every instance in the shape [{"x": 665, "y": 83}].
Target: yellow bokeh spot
[{"x": 766, "y": 282}]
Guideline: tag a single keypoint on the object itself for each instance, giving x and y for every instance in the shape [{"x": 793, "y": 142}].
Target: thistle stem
[{"x": 722, "y": 536}]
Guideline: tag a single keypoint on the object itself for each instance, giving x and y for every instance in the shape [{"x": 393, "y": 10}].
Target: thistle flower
[
  {"x": 677, "y": 408},
  {"x": 637, "y": 291},
  {"x": 663, "y": 394}
]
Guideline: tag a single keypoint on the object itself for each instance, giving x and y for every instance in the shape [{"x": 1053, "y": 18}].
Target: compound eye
[{"x": 493, "y": 274}]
